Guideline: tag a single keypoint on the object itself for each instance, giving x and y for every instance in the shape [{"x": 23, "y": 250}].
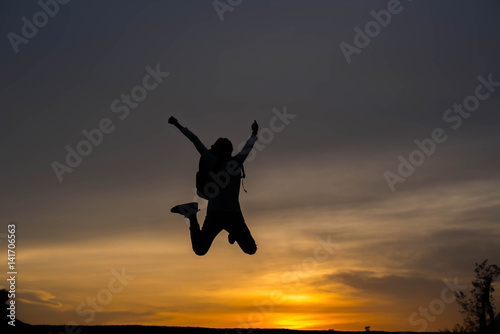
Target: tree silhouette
[{"x": 477, "y": 306}]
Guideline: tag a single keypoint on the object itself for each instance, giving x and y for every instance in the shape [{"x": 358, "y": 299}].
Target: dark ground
[{"x": 46, "y": 329}]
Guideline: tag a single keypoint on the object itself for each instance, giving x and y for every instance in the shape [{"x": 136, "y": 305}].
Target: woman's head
[{"x": 222, "y": 148}]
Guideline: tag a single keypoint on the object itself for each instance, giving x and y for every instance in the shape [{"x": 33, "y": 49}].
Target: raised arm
[
  {"x": 245, "y": 151},
  {"x": 193, "y": 138}
]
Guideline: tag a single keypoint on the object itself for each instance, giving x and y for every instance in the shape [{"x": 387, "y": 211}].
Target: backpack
[{"x": 203, "y": 178}]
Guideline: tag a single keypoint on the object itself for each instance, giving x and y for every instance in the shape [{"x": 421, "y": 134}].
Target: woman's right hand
[
  {"x": 173, "y": 120},
  {"x": 255, "y": 127}
]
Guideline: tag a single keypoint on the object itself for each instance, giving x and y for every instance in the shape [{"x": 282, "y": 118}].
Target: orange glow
[{"x": 285, "y": 285}]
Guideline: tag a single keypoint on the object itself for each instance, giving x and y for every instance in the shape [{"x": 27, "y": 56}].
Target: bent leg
[
  {"x": 201, "y": 239},
  {"x": 240, "y": 232},
  {"x": 247, "y": 243}
]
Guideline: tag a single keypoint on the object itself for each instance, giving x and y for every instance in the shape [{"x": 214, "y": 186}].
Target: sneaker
[{"x": 186, "y": 210}]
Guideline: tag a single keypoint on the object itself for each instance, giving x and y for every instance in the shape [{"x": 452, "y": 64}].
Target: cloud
[
  {"x": 321, "y": 176},
  {"x": 455, "y": 251},
  {"x": 128, "y": 317},
  {"x": 378, "y": 295},
  {"x": 38, "y": 297},
  {"x": 485, "y": 215},
  {"x": 391, "y": 286}
]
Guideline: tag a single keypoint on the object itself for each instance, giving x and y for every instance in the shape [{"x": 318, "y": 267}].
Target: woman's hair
[{"x": 222, "y": 149}]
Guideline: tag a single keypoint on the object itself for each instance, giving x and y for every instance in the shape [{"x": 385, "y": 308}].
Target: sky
[{"x": 356, "y": 224}]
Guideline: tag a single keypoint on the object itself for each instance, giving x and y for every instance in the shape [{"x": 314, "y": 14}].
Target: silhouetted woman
[{"x": 223, "y": 211}]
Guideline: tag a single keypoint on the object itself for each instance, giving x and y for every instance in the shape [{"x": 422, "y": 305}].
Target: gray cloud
[{"x": 406, "y": 288}]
